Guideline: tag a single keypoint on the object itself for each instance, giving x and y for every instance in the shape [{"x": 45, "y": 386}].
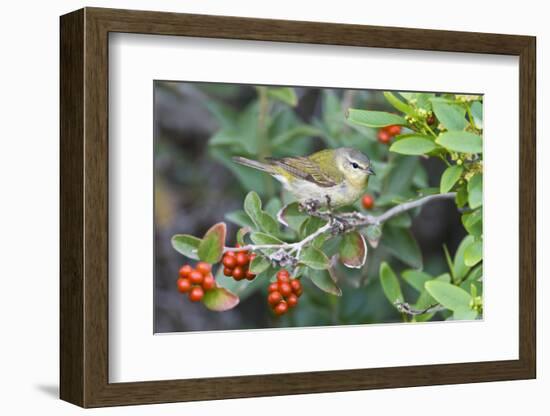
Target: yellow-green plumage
[{"x": 341, "y": 174}]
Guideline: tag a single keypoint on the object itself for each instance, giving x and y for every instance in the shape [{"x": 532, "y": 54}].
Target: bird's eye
[{"x": 355, "y": 165}]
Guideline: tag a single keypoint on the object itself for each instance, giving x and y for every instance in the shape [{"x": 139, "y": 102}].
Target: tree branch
[{"x": 287, "y": 253}]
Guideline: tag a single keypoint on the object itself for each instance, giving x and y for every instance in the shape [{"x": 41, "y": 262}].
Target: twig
[
  {"x": 287, "y": 253},
  {"x": 404, "y": 307}
]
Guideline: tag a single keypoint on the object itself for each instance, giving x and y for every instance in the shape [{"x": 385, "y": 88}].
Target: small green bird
[{"x": 340, "y": 174}]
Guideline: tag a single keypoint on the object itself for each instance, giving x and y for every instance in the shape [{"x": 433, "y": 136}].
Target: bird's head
[{"x": 355, "y": 166}]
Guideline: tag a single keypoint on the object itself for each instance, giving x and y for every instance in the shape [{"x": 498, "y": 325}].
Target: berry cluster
[
  {"x": 367, "y": 201},
  {"x": 195, "y": 282},
  {"x": 385, "y": 134},
  {"x": 236, "y": 264},
  {"x": 284, "y": 293}
]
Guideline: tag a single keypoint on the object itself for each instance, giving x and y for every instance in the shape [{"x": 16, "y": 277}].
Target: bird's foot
[{"x": 310, "y": 207}]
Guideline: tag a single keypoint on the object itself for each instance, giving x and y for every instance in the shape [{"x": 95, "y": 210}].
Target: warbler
[{"x": 332, "y": 177}]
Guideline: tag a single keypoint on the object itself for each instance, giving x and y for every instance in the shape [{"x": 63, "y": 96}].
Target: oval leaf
[
  {"x": 353, "y": 250},
  {"x": 220, "y": 299},
  {"x": 187, "y": 245},
  {"x": 314, "y": 258},
  {"x": 452, "y": 116},
  {"x": 459, "y": 266},
  {"x": 374, "y": 119},
  {"x": 450, "y": 177},
  {"x": 390, "y": 284},
  {"x": 473, "y": 253},
  {"x": 283, "y": 94},
  {"x": 253, "y": 206},
  {"x": 450, "y": 296},
  {"x": 211, "y": 247},
  {"x": 416, "y": 278},
  {"x": 475, "y": 191},
  {"x": 323, "y": 280},
  {"x": 413, "y": 146},
  {"x": 460, "y": 141}
]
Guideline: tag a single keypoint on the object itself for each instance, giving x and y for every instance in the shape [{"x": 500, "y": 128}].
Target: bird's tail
[{"x": 264, "y": 167}]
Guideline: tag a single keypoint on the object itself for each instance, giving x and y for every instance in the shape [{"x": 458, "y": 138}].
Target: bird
[{"x": 332, "y": 178}]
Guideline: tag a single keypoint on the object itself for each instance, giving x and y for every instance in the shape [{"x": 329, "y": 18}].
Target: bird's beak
[{"x": 370, "y": 171}]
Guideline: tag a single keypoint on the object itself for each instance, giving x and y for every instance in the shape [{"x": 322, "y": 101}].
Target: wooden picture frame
[{"x": 84, "y": 207}]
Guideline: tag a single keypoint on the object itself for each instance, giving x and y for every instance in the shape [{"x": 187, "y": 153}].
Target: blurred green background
[{"x": 199, "y": 126}]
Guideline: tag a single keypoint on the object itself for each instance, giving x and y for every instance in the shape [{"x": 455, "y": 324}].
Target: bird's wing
[{"x": 306, "y": 169}]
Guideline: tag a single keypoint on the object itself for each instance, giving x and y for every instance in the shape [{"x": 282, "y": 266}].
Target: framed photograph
[{"x": 263, "y": 207}]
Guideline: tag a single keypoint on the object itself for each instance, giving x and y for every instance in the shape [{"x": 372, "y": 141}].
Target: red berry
[
  {"x": 252, "y": 256},
  {"x": 292, "y": 300},
  {"x": 229, "y": 261},
  {"x": 196, "y": 277},
  {"x": 227, "y": 271},
  {"x": 208, "y": 282},
  {"x": 203, "y": 267},
  {"x": 249, "y": 275},
  {"x": 196, "y": 294},
  {"x": 393, "y": 130},
  {"x": 281, "y": 308},
  {"x": 367, "y": 201},
  {"x": 383, "y": 136},
  {"x": 285, "y": 288},
  {"x": 273, "y": 287},
  {"x": 283, "y": 275},
  {"x": 242, "y": 258},
  {"x": 431, "y": 119},
  {"x": 296, "y": 286},
  {"x": 185, "y": 270},
  {"x": 238, "y": 273},
  {"x": 274, "y": 298},
  {"x": 184, "y": 285}
]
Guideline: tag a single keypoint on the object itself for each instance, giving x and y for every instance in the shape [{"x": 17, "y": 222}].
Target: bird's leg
[
  {"x": 311, "y": 206},
  {"x": 339, "y": 225}
]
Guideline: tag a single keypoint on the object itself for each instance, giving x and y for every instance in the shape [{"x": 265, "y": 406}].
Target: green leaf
[
  {"x": 291, "y": 216},
  {"x": 413, "y": 146},
  {"x": 220, "y": 299},
  {"x": 353, "y": 250},
  {"x": 398, "y": 104},
  {"x": 373, "y": 234},
  {"x": 416, "y": 278},
  {"x": 459, "y": 267},
  {"x": 473, "y": 253},
  {"x": 475, "y": 191},
  {"x": 253, "y": 206},
  {"x": 283, "y": 94},
  {"x": 450, "y": 296},
  {"x": 267, "y": 223},
  {"x": 390, "y": 284},
  {"x": 473, "y": 222},
  {"x": 314, "y": 258},
  {"x": 402, "y": 220},
  {"x": 240, "y": 218},
  {"x": 260, "y": 238},
  {"x": 477, "y": 112},
  {"x": 211, "y": 247},
  {"x": 464, "y": 314},
  {"x": 450, "y": 177},
  {"x": 187, "y": 245},
  {"x": 374, "y": 119},
  {"x": 461, "y": 196},
  {"x": 452, "y": 116},
  {"x": 323, "y": 280},
  {"x": 259, "y": 264},
  {"x": 401, "y": 243},
  {"x": 460, "y": 141}
]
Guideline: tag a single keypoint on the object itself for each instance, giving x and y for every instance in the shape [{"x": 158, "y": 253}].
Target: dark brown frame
[{"x": 84, "y": 209}]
